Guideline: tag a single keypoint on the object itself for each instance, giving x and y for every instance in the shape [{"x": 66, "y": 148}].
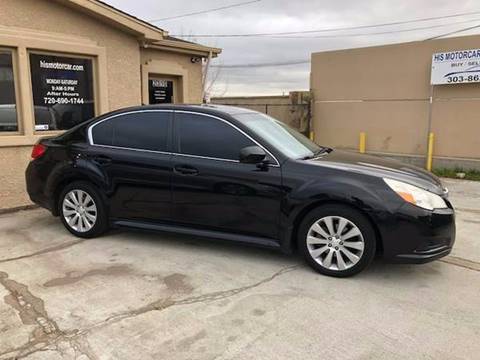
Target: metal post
[
  {"x": 430, "y": 151},
  {"x": 429, "y": 159},
  {"x": 362, "y": 143},
  {"x": 311, "y": 130}
]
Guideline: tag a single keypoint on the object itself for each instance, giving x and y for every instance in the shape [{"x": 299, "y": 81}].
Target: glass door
[{"x": 162, "y": 90}]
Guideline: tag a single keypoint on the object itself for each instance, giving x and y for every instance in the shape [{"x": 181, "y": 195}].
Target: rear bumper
[
  {"x": 418, "y": 236},
  {"x": 35, "y": 186}
]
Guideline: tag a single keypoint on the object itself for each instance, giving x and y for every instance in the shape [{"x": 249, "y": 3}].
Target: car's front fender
[{"x": 367, "y": 194}]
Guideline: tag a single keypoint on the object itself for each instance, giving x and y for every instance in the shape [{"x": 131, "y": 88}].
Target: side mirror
[{"x": 252, "y": 155}]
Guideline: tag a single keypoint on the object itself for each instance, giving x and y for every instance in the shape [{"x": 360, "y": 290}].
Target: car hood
[{"x": 380, "y": 167}]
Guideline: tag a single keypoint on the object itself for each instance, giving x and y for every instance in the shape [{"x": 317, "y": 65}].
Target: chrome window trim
[
  {"x": 164, "y": 153},
  {"x": 134, "y": 149},
  {"x": 206, "y": 157},
  {"x": 91, "y": 142},
  {"x": 90, "y": 135}
]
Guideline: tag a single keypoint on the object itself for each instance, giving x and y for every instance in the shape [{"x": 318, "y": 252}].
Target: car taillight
[{"x": 38, "y": 150}]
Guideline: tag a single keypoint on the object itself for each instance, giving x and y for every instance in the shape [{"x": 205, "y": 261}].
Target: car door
[
  {"x": 212, "y": 189},
  {"x": 133, "y": 151}
]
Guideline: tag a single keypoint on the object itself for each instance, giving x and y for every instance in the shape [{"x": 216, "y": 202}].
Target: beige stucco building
[
  {"x": 63, "y": 61},
  {"x": 385, "y": 92}
]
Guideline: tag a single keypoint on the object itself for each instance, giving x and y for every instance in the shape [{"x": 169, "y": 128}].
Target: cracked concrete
[
  {"x": 467, "y": 264},
  {"x": 71, "y": 278},
  {"x": 164, "y": 303},
  {"x": 159, "y": 296},
  {"x": 31, "y": 311},
  {"x": 44, "y": 251}
]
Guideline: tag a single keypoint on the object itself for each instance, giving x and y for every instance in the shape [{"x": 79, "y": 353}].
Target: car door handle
[
  {"x": 186, "y": 170},
  {"x": 102, "y": 160}
]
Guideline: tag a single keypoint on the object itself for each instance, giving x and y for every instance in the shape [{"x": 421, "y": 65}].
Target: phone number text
[{"x": 60, "y": 100}]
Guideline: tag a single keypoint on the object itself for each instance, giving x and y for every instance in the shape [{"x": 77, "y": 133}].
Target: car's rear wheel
[
  {"x": 82, "y": 210},
  {"x": 337, "y": 240}
]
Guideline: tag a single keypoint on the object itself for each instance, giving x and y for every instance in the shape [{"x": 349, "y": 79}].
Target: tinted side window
[
  {"x": 102, "y": 133},
  {"x": 206, "y": 136},
  {"x": 141, "y": 130}
]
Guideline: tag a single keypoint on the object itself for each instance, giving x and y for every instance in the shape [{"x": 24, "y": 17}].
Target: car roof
[{"x": 213, "y": 109}]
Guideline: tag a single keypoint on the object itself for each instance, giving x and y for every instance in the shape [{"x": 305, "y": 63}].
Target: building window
[
  {"x": 62, "y": 91},
  {"x": 8, "y": 108}
]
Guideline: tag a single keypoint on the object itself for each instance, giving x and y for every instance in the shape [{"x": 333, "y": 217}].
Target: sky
[{"x": 271, "y": 16}]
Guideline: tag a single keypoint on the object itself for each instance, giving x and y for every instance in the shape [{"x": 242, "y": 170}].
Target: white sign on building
[{"x": 456, "y": 67}]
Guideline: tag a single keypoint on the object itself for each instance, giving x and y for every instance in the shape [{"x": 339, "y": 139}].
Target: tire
[
  {"x": 90, "y": 212},
  {"x": 331, "y": 253}
]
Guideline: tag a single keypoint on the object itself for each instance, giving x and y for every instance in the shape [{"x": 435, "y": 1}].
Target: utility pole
[{"x": 205, "y": 74}]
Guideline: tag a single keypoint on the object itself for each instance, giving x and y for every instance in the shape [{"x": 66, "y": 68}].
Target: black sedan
[{"x": 239, "y": 175}]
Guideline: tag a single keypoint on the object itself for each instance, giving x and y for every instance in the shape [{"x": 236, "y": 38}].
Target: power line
[
  {"x": 206, "y": 11},
  {"x": 259, "y": 65},
  {"x": 376, "y": 33},
  {"x": 453, "y": 32},
  {"x": 331, "y": 29},
  {"x": 298, "y": 62}
]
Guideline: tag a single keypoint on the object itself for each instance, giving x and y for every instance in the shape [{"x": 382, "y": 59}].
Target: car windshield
[{"x": 287, "y": 140}]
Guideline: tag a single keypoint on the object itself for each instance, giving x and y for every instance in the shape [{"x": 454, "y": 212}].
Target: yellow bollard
[
  {"x": 430, "y": 151},
  {"x": 362, "y": 143},
  {"x": 312, "y": 136}
]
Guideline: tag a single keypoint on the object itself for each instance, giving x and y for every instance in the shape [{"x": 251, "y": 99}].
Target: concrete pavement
[{"x": 133, "y": 295}]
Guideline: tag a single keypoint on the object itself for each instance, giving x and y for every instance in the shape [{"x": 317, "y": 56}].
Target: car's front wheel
[
  {"x": 337, "y": 240},
  {"x": 82, "y": 210}
]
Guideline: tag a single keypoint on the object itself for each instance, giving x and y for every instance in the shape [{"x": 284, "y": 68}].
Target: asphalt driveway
[{"x": 133, "y": 295}]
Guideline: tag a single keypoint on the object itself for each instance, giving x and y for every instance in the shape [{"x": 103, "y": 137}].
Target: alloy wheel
[
  {"x": 335, "y": 243},
  {"x": 79, "y": 210}
]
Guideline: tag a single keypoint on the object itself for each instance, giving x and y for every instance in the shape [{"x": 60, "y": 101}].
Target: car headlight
[{"x": 416, "y": 196}]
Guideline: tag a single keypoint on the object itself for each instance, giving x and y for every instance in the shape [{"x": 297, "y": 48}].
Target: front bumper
[
  {"x": 423, "y": 257},
  {"x": 414, "y": 235}
]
